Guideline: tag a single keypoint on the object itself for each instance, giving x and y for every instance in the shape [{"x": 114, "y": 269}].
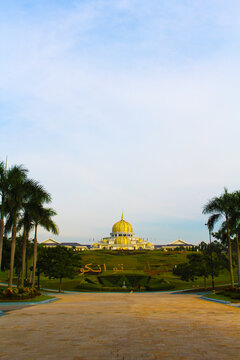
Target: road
[{"x": 143, "y": 326}]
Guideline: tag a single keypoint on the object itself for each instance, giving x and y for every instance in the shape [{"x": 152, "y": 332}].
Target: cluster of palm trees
[
  {"x": 226, "y": 207},
  {"x": 22, "y": 203}
]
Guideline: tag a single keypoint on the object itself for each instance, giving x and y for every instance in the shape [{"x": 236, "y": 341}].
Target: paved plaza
[{"x": 122, "y": 326}]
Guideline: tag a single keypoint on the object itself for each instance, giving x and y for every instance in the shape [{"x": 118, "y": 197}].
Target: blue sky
[{"x": 123, "y": 104}]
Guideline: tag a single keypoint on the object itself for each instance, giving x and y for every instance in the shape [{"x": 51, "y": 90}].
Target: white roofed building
[
  {"x": 70, "y": 245},
  {"x": 179, "y": 243}
]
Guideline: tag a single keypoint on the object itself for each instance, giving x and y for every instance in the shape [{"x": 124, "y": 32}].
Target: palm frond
[
  {"x": 213, "y": 206},
  {"x": 212, "y": 220},
  {"x": 36, "y": 192}
]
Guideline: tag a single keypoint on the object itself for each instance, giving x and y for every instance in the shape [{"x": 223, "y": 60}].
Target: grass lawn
[
  {"x": 222, "y": 297},
  {"x": 36, "y": 299},
  {"x": 157, "y": 264}
]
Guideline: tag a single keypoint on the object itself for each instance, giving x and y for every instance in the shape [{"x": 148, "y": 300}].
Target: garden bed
[
  {"x": 39, "y": 298},
  {"x": 18, "y": 294}
]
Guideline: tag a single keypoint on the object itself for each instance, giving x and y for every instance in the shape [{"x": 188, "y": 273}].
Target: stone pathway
[{"x": 122, "y": 327}]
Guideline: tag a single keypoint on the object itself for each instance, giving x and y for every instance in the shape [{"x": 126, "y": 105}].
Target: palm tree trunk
[
  {"x": 34, "y": 257},
  {"x": 205, "y": 282},
  {"x": 230, "y": 253},
  {"x": 14, "y": 231},
  {"x": 18, "y": 278},
  {"x": 60, "y": 284},
  {"x": 238, "y": 259},
  {"x": 1, "y": 240},
  {"x": 27, "y": 251},
  {"x": 2, "y": 228},
  {"x": 38, "y": 279},
  {"x": 23, "y": 256}
]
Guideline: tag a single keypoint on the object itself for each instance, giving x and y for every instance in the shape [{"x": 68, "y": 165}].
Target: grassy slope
[{"x": 138, "y": 262}]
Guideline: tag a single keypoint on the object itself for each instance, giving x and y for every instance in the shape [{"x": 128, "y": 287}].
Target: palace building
[
  {"x": 122, "y": 238},
  {"x": 69, "y": 245},
  {"x": 177, "y": 244}
]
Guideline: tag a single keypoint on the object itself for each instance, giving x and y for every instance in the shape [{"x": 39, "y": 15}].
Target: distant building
[
  {"x": 122, "y": 238},
  {"x": 179, "y": 243},
  {"x": 69, "y": 245}
]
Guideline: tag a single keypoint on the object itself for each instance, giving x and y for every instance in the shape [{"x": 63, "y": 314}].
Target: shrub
[
  {"x": 159, "y": 285},
  {"x": 19, "y": 293},
  {"x": 89, "y": 286},
  {"x": 130, "y": 280},
  {"x": 92, "y": 287},
  {"x": 233, "y": 293}
]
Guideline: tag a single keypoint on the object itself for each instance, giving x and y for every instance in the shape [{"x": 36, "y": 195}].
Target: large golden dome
[{"x": 122, "y": 226}]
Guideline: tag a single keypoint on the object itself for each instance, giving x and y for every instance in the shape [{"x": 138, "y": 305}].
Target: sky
[{"x": 123, "y": 105}]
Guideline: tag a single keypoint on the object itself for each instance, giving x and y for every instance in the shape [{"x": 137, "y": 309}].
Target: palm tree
[
  {"x": 223, "y": 206},
  {"x": 234, "y": 222},
  {"x": 235, "y": 230},
  {"x": 17, "y": 179},
  {"x": 34, "y": 191},
  {"x": 238, "y": 253},
  {"x": 3, "y": 191},
  {"x": 210, "y": 224},
  {"x": 27, "y": 223},
  {"x": 42, "y": 217}
]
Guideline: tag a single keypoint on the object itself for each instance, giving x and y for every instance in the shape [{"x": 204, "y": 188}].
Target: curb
[
  {"x": 27, "y": 303},
  {"x": 216, "y": 300}
]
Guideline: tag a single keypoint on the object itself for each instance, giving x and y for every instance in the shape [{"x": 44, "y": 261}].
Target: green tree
[
  {"x": 18, "y": 260},
  {"x": 35, "y": 194},
  {"x": 6, "y": 253},
  {"x": 59, "y": 262},
  {"x": 223, "y": 206},
  {"x": 3, "y": 191},
  {"x": 26, "y": 223},
  {"x": 41, "y": 217},
  {"x": 200, "y": 264},
  {"x": 235, "y": 228},
  {"x": 17, "y": 180},
  {"x": 210, "y": 224}
]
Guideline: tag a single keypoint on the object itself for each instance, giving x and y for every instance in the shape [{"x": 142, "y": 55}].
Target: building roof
[
  {"x": 71, "y": 244},
  {"x": 50, "y": 241},
  {"x": 178, "y": 245},
  {"x": 178, "y": 242}
]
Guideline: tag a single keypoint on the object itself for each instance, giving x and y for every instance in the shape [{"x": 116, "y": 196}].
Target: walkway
[{"x": 122, "y": 326}]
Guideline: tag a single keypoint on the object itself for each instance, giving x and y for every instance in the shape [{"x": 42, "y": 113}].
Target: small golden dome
[
  {"x": 122, "y": 240},
  {"x": 122, "y": 226}
]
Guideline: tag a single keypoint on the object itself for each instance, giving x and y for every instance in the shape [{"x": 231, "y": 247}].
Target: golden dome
[{"x": 122, "y": 226}]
